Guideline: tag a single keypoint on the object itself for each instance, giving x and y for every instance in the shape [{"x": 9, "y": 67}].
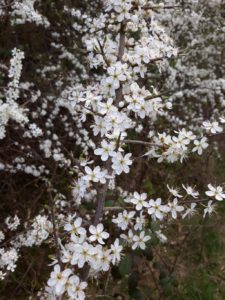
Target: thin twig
[
  {"x": 55, "y": 232},
  {"x": 122, "y": 40},
  {"x": 140, "y": 143},
  {"x": 158, "y": 96},
  {"x": 195, "y": 201},
  {"x": 7, "y": 5},
  {"x": 24, "y": 276},
  {"x": 103, "y": 53},
  {"x": 146, "y": 7}
]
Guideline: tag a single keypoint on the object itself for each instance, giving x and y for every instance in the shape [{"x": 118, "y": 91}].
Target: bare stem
[
  {"x": 141, "y": 143},
  {"x": 55, "y": 233},
  {"x": 157, "y": 96},
  {"x": 103, "y": 53},
  {"x": 119, "y": 91}
]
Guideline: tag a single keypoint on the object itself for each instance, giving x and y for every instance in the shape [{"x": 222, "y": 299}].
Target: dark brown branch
[
  {"x": 196, "y": 201},
  {"x": 55, "y": 232},
  {"x": 103, "y": 53},
  {"x": 215, "y": 134},
  {"x": 140, "y": 143},
  {"x": 148, "y": 7},
  {"x": 122, "y": 40},
  {"x": 7, "y": 5},
  {"x": 102, "y": 191}
]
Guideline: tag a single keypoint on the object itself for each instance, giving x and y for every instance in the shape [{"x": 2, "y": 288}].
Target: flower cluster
[
  {"x": 9, "y": 109},
  {"x": 33, "y": 234},
  {"x": 24, "y": 12},
  {"x": 93, "y": 112}
]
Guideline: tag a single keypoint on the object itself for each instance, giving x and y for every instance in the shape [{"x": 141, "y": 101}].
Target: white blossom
[
  {"x": 216, "y": 192},
  {"x": 98, "y": 233}
]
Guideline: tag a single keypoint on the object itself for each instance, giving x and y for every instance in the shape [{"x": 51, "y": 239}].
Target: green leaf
[
  {"x": 125, "y": 265},
  {"x": 150, "y": 188},
  {"x": 109, "y": 203}
]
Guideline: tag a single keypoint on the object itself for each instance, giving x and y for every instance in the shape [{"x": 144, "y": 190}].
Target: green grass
[{"x": 205, "y": 259}]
